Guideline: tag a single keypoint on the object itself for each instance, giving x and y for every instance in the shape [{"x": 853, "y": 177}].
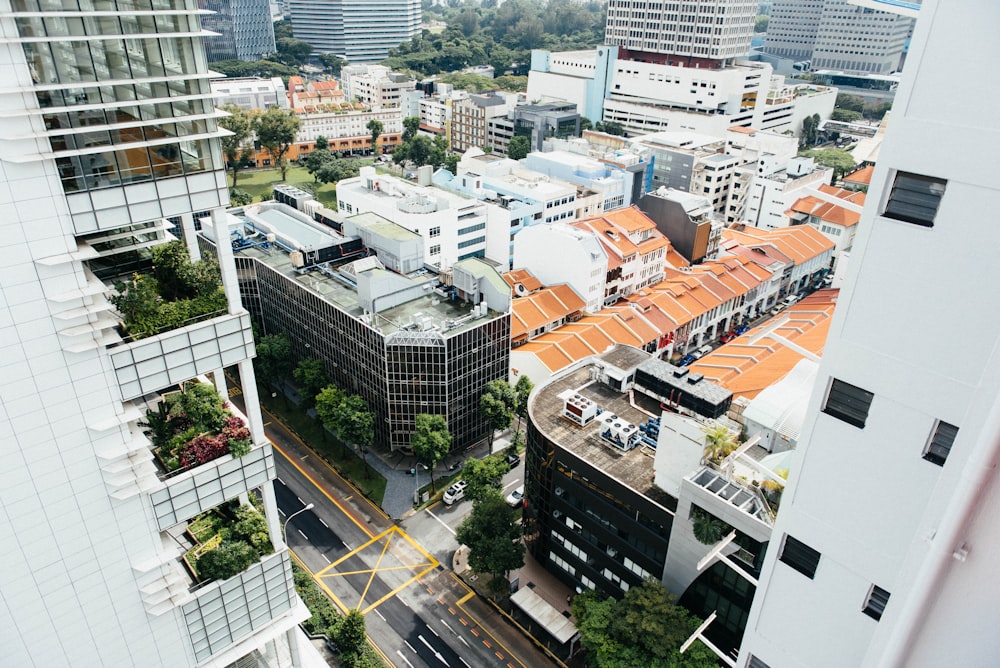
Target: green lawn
[{"x": 260, "y": 182}]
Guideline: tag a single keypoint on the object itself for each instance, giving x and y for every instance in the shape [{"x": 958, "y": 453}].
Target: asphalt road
[{"x": 398, "y": 585}]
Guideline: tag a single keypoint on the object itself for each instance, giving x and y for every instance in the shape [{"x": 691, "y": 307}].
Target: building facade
[
  {"x": 362, "y": 31},
  {"x": 93, "y": 569},
  {"x": 837, "y": 35},
  {"x": 893, "y": 569},
  {"x": 244, "y": 27}
]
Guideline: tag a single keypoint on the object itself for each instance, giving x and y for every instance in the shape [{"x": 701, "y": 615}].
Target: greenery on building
[
  {"x": 645, "y": 628},
  {"x": 228, "y": 540}
]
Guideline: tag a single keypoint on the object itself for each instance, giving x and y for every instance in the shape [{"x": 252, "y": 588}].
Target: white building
[
  {"x": 375, "y": 86},
  {"x": 883, "y": 549},
  {"x": 250, "y": 92},
  {"x": 581, "y": 261},
  {"x": 763, "y": 199},
  {"x": 837, "y": 35},
  {"x": 453, "y": 226},
  {"x": 362, "y": 31},
  {"x": 92, "y": 567},
  {"x": 348, "y": 125}
]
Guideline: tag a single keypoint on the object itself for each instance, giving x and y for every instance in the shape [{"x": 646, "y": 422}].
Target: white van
[
  {"x": 455, "y": 493},
  {"x": 791, "y": 299},
  {"x": 704, "y": 350}
]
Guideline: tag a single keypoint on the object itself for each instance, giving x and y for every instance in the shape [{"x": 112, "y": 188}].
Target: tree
[
  {"x": 497, "y": 403},
  {"x": 845, "y": 115},
  {"x": 351, "y": 638},
  {"x": 645, "y": 628},
  {"x": 719, "y": 442},
  {"x": 841, "y": 161},
  {"x": 239, "y": 197},
  {"x": 760, "y": 23},
  {"x": 332, "y": 63},
  {"x": 356, "y": 425},
  {"x": 451, "y": 163},
  {"x": 293, "y": 51},
  {"x": 282, "y": 29},
  {"x": 493, "y": 537},
  {"x": 585, "y": 124},
  {"x": 322, "y": 143},
  {"x": 327, "y": 404},
  {"x": 468, "y": 20},
  {"x": 310, "y": 374},
  {"x": 484, "y": 475},
  {"x": 810, "y": 129},
  {"x": 707, "y": 528},
  {"x": 276, "y": 131},
  {"x": 274, "y": 359},
  {"x": 522, "y": 389},
  {"x": 430, "y": 441},
  {"x": 241, "y": 125},
  {"x": 410, "y": 126},
  {"x": 852, "y": 102},
  {"x": 375, "y": 127},
  {"x": 257, "y": 68},
  {"x": 611, "y": 128},
  {"x": 519, "y": 147},
  {"x": 226, "y": 560}
]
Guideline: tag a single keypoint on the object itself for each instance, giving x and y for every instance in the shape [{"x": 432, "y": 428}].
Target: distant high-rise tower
[
  {"x": 706, "y": 33},
  {"x": 362, "y": 31},
  {"x": 108, "y": 131},
  {"x": 837, "y": 35},
  {"x": 884, "y": 550},
  {"x": 244, "y": 26}
]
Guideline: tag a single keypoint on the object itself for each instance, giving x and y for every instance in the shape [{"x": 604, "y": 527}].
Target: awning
[{"x": 545, "y": 615}]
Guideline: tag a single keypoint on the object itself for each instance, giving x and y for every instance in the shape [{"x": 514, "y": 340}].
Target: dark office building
[
  {"x": 409, "y": 343},
  {"x": 244, "y": 27}
]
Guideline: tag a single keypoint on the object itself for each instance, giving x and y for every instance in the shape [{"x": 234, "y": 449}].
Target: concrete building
[
  {"x": 837, "y": 223},
  {"x": 375, "y": 86},
  {"x": 838, "y": 35},
  {"x": 362, "y": 31},
  {"x": 619, "y": 183},
  {"x": 899, "y": 583},
  {"x": 406, "y": 338},
  {"x": 453, "y": 226},
  {"x": 244, "y": 27},
  {"x": 471, "y": 117},
  {"x": 709, "y": 33},
  {"x": 763, "y": 200},
  {"x": 539, "y": 122},
  {"x": 687, "y": 220},
  {"x": 93, "y": 571},
  {"x": 249, "y": 93}
]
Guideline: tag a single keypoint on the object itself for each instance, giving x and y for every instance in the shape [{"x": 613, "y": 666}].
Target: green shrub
[{"x": 228, "y": 559}]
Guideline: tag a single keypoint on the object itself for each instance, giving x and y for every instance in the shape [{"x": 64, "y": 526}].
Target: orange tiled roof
[
  {"x": 746, "y": 369},
  {"x": 542, "y": 308},
  {"x": 797, "y": 244},
  {"x": 524, "y": 277},
  {"x": 828, "y": 211},
  {"x": 319, "y": 86},
  {"x": 630, "y": 219},
  {"x": 862, "y": 177},
  {"x": 740, "y": 128}
]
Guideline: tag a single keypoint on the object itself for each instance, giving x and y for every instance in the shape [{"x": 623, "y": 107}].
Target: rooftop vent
[{"x": 694, "y": 378}]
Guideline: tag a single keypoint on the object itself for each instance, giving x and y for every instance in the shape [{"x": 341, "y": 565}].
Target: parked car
[
  {"x": 687, "y": 359},
  {"x": 455, "y": 493},
  {"x": 704, "y": 350},
  {"x": 516, "y": 498},
  {"x": 513, "y": 460},
  {"x": 728, "y": 336},
  {"x": 742, "y": 329}
]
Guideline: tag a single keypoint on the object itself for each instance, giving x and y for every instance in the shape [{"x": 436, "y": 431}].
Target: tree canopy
[
  {"x": 497, "y": 402},
  {"x": 493, "y": 536},
  {"x": 310, "y": 375},
  {"x": 645, "y": 628},
  {"x": 276, "y": 131},
  {"x": 240, "y": 123},
  {"x": 484, "y": 475},
  {"x": 519, "y": 147},
  {"x": 274, "y": 359},
  {"x": 841, "y": 161},
  {"x": 430, "y": 440}
]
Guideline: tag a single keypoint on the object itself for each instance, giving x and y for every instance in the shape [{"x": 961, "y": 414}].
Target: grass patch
[
  {"x": 344, "y": 460},
  {"x": 261, "y": 182}
]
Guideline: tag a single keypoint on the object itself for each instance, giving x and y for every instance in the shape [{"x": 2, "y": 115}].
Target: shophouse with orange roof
[
  {"x": 800, "y": 254},
  {"x": 837, "y": 223},
  {"x": 859, "y": 179},
  {"x": 636, "y": 250},
  {"x": 542, "y": 311}
]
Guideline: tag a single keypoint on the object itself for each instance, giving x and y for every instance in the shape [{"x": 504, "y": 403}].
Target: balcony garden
[
  {"x": 228, "y": 539},
  {"x": 193, "y": 426},
  {"x": 178, "y": 292}
]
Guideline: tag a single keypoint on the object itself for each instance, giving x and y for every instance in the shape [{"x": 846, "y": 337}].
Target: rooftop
[
  {"x": 442, "y": 310},
  {"x": 632, "y": 468}
]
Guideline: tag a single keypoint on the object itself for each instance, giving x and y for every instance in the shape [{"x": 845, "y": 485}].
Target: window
[
  {"x": 848, "y": 403},
  {"x": 436, "y": 249},
  {"x": 877, "y": 600},
  {"x": 435, "y": 232},
  {"x": 754, "y": 662},
  {"x": 940, "y": 444},
  {"x": 914, "y": 198},
  {"x": 799, "y": 556}
]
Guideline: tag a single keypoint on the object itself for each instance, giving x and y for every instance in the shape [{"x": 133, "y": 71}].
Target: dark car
[
  {"x": 687, "y": 359},
  {"x": 742, "y": 329},
  {"x": 513, "y": 460}
]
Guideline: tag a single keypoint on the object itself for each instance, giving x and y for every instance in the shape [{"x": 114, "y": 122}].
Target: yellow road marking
[
  {"x": 393, "y": 592},
  {"x": 374, "y": 571},
  {"x": 466, "y": 598},
  {"x": 291, "y": 460},
  {"x": 379, "y": 570}
]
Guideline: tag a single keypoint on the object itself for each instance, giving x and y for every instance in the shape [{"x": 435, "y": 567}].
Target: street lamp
[{"x": 284, "y": 527}]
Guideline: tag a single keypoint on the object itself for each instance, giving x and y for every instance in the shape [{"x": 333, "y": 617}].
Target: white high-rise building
[
  {"x": 108, "y": 130},
  {"x": 692, "y": 33},
  {"x": 837, "y": 35},
  {"x": 362, "y": 31},
  {"x": 883, "y": 553}
]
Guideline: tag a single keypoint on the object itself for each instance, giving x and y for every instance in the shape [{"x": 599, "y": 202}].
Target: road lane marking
[
  {"x": 300, "y": 500},
  {"x": 399, "y": 653},
  {"x": 325, "y": 557},
  {"x": 437, "y": 654},
  {"x": 347, "y": 546},
  {"x": 432, "y": 630},
  {"x": 410, "y": 646},
  {"x": 463, "y": 661},
  {"x": 323, "y": 523},
  {"x": 379, "y": 614},
  {"x": 281, "y": 481},
  {"x": 447, "y": 627},
  {"x": 443, "y": 523},
  {"x": 512, "y": 482},
  {"x": 282, "y": 512},
  {"x": 463, "y": 641},
  {"x": 302, "y": 534}
]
